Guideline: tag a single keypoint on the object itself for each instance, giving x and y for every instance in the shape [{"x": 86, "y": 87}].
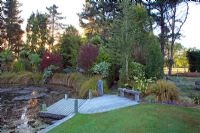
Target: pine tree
[
  {"x": 2, "y": 27},
  {"x": 12, "y": 24},
  {"x": 54, "y": 18}
]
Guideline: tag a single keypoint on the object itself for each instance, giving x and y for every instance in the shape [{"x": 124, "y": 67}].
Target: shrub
[
  {"x": 164, "y": 91},
  {"x": 6, "y": 58},
  {"x": 135, "y": 70},
  {"x": 154, "y": 59},
  {"x": 103, "y": 55},
  {"x": 193, "y": 56},
  {"x": 101, "y": 69},
  {"x": 18, "y": 66},
  {"x": 51, "y": 59},
  {"x": 69, "y": 45},
  {"x": 150, "y": 99},
  {"x": 87, "y": 56},
  {"x": 48, "y": 73},
  {"x": 91, "y": 84},
  {"x": 35, "y": 61}
]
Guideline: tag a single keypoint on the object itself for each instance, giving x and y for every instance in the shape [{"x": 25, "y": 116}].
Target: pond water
[{"x": 19, "y": 108}]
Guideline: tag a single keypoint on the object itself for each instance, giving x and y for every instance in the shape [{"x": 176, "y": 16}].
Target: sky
[{"x": 70, "y": 8}]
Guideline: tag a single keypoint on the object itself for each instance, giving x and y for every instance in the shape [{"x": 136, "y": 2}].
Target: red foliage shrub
[
  {"x": 87, "y": 56},
  {"x": 50, "y": 59},
  {"x": 189, "y": 74}
]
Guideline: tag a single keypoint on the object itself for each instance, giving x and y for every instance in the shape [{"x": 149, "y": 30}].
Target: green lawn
[{"x": 144, "y": 118}]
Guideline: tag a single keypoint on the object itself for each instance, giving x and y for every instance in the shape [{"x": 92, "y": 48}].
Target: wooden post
[
  {"x": 44, "y": 107},
  {"x": 76, "y": 106}
]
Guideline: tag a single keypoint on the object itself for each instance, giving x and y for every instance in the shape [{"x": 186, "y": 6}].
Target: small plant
[
  {"x": 141, "y": 83},
  {"x": 102, "y": 69},
  {"x": 35, "y": 61},
  {"x": 196, "y": 100},
  {"x": 18, "y": 66},
  {"x": 164, "y": 91},
  {"x": 48, "y": 73}
]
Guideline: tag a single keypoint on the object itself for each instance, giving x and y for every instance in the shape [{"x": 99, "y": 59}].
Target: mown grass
[{"x": 144, "y": 118}]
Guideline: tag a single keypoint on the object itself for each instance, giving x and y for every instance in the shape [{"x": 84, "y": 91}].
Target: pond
[{"x": 19, "y": 107}]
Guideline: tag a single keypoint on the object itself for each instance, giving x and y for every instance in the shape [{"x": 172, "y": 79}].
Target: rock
[
  {"x": 197, "y": 84},
  {"x": 28, "y": 97}
]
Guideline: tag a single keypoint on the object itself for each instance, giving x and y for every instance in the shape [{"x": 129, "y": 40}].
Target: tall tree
[
  {"x": 13, "y": 25},
  {"x": 69, "y": 46},
  {"x": 54, "y": 18},
  {"x": 127, "y": 32},
  {"x": 37, "y": 32},
  {"x": 175, "y": 23},
  {"x": 2, "y": 27}
]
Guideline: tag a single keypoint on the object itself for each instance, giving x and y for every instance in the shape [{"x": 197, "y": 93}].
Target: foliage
[
  {"x": 103, "y": 55},
  {"x": 98, "y": 9},
  {"x": 54, "y": 22},
  {"x": 21, "y": 78},
  {"x": 135, "y": 70},
  {"x": 96, "y": 40},
  {"x": 164, "y": 91},
  {"x": 101, "y": 69},
  {"x": 6, "y": 57},
  {"x": 87, "y": 56},
  {"x": 13, "y": 25},
  {"x": 51, "y": 59},
  {"x": 141, "y": 83},
  {"x": 193, "y": 56},
  {"x": 18, "y": 66},
  {"x": 37, "y": 32},
  {"x": 130, "y": 30},
  {"x": 153, "y": 58},
  {"x": 69, "y": 46},
  {"x": 91, "y": 83},
  {"x": 48, "y": 73},
  {"x": 35, "y": 61}
]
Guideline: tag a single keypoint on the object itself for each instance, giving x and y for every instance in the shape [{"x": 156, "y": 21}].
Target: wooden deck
[
  {"x": 63, "y": 107},
  {"x": 96, "y": 105}
]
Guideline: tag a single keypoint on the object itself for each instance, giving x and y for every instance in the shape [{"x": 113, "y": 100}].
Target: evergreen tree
[
  {"x": 13, "y": 25},
  {"x": 37, "y": 32},
  {"x": 69, "y": 46},
  {"x": 2, "y": 27},
  {"x": 54, "y": 18}
]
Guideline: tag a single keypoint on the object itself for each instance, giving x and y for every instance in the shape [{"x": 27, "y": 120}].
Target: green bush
[
  {"x": 135, "y": 70},
  {"x": 6, "y": 58},
  {"x": 154, "y": 59},
  {"x": 164, "y": 91},
  {"x": 193, "y": 56},
  {"x": 18, "y": 66},
  {"x": 101, "y": 69},
  {"x": 35, "y": 61}
]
